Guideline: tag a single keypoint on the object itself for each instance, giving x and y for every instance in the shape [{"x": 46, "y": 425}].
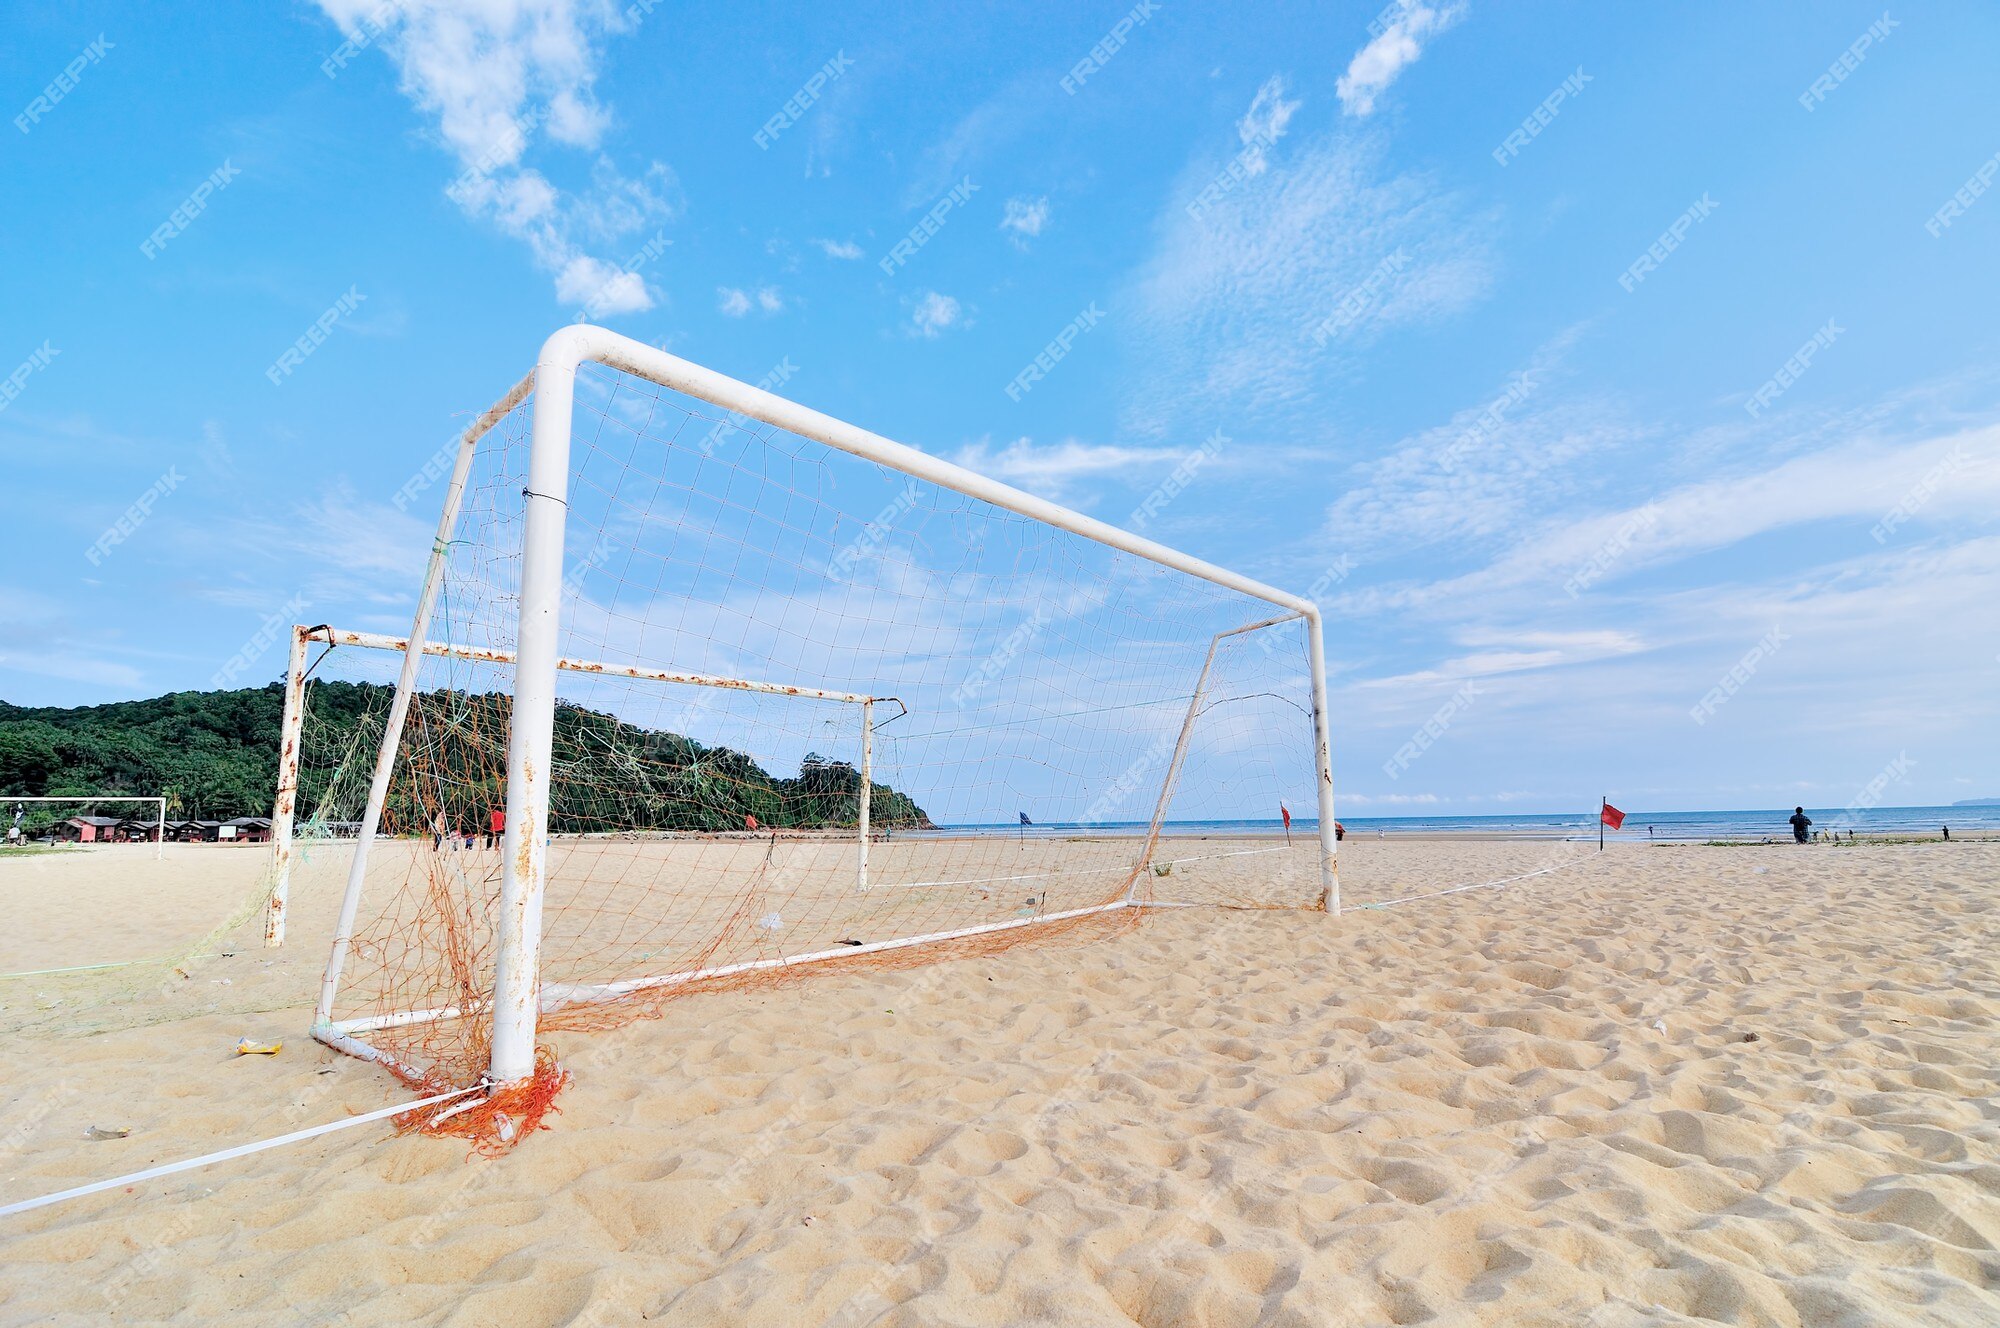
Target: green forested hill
[
  {"x": 214, "y": 755},
  {"x": 215, "y": 752}
]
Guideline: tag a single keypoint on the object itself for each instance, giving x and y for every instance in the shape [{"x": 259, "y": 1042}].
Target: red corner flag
[
  {"x": 1286, "y": 812},
  {"x": 749, "y": 821},
  {"x": 1607, "y": 815}
]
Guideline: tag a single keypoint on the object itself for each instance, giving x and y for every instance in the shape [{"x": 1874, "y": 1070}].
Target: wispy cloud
[
  {"x": 932, "y": 314},
  {"x": 343, "y": 552},
  {"x": 497, "y": 76},
  {"x": 1396, "y": 45},
  {"x": 1852, "y": 483},
  {"x": 1516, "y": 652},
  {"x": 1055, "y": 470},
  {"x": 1264, "y": 123},
  {"x": 1525, "y": 448},
  {"x": 1024, "y": 219},
  {"x": 1009, "y": 114},
  {"x": 38, "y": 635},
  {"x": 845, "y": 250},
  {"x": 734, "y": 302},
  {"x": 1232, "y": 294}
]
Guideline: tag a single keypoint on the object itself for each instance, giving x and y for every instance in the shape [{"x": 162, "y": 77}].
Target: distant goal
[
  {"x": 82, "y": 819},
  {"x": 706, "y": 689}
]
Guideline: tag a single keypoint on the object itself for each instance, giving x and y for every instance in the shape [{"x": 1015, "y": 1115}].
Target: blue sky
[{"x": 1557, "y": 510}]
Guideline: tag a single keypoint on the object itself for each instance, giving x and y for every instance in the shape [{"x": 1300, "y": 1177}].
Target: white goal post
[{"x": 519, "y": 993}]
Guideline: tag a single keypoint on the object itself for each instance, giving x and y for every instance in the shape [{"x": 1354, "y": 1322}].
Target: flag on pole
[
  {"x": 1025, "y": 820},
  {"x": 749, "y": 821},
  {"x": 1285, "y": 812},
  {"x": 1611, "y": 816}
]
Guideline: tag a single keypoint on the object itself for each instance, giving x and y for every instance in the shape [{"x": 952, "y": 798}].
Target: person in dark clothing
[{"x": 1800, "y": 823}]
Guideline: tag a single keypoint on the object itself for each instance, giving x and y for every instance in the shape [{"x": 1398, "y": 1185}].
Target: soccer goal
[
  {"x": 705, "y": 689},
  {"x": 76, "y": 819}
]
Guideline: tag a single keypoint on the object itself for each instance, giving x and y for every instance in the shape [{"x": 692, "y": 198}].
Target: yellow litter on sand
[{"x": 248, "y": 1048}]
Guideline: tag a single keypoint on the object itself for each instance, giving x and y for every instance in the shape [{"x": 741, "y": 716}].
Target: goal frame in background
[
  {"x": 284, "y": 813},
  {"x": 517, "y": 998},
  {"x": 159, "y": 820}
]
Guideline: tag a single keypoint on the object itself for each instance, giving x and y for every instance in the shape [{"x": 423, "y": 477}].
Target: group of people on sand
[
  {"x": 441, "y": 830},
  {"x": 1802, "y": 824}
]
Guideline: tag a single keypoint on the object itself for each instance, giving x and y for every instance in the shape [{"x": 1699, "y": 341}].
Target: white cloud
[
  {"x": 1520, "y": 450},
  {"x": 1856, "y": 482},
  {"x": 736, "y": 303},
  {"x": 494, "y": 75},
  {"x": 602, "y": 288},
  {"x": 1232, "y": 295},
  {"x": 1024, "y": 219},
  {"x": 1401, "y": 40},
  {"x": 1264, "y": 123},
  {"x": 933, "y": 314},
  {"x": 846, "y": 250},
  {"x": 1054, "y": 469},
  {"x": 1517, "y": 652}
]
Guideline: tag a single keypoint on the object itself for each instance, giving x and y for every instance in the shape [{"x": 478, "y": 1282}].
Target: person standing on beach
[{"x": 1800, "y": 823}]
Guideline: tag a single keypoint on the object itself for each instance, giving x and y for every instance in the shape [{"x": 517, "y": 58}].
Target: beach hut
[
  {"x": 88, "y": 829},
  {"x": 248, "y": 829}
]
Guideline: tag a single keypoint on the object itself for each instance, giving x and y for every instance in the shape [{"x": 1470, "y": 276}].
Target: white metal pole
[
  {"x": 531, "y": 739},
  {"x": 399, "y": 708},
  {"x": 1329, "y": 836},
  {"x": 160, "y": 833},
  {"x": 283, "y": 810},
  {"x": 1181, "y": 743},
  {"x": 1173, "y": 774},
  {"x": 494, "y": 655},
  {"x": 582, "y": 341},
  {"x": 867, "y": 782}
]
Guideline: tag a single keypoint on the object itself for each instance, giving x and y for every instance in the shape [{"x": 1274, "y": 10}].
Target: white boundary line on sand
[
  {"x": 1052, "y": 875},
  {"x": 1483, "y": 885}
]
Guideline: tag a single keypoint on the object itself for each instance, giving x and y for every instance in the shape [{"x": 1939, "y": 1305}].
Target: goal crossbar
[
  {"x": 285, "y": 813},
  {"x": 489, "y": 655},
  {"x": 517, "y": 993},
  {"x": 159, "y": 820}
]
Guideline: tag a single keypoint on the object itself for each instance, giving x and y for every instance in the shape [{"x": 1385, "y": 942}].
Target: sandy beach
[{"x": 1661, "y": 1085}]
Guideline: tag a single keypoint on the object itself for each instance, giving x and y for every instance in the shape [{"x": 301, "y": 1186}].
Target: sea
[{"x": 1672, "y": 827}]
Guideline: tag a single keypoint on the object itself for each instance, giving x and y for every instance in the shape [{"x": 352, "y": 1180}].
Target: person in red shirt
[{"x": 496, "y": 825}]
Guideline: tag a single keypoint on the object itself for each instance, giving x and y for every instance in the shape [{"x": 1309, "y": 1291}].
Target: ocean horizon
[{"x": 1672, "y": 827}]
